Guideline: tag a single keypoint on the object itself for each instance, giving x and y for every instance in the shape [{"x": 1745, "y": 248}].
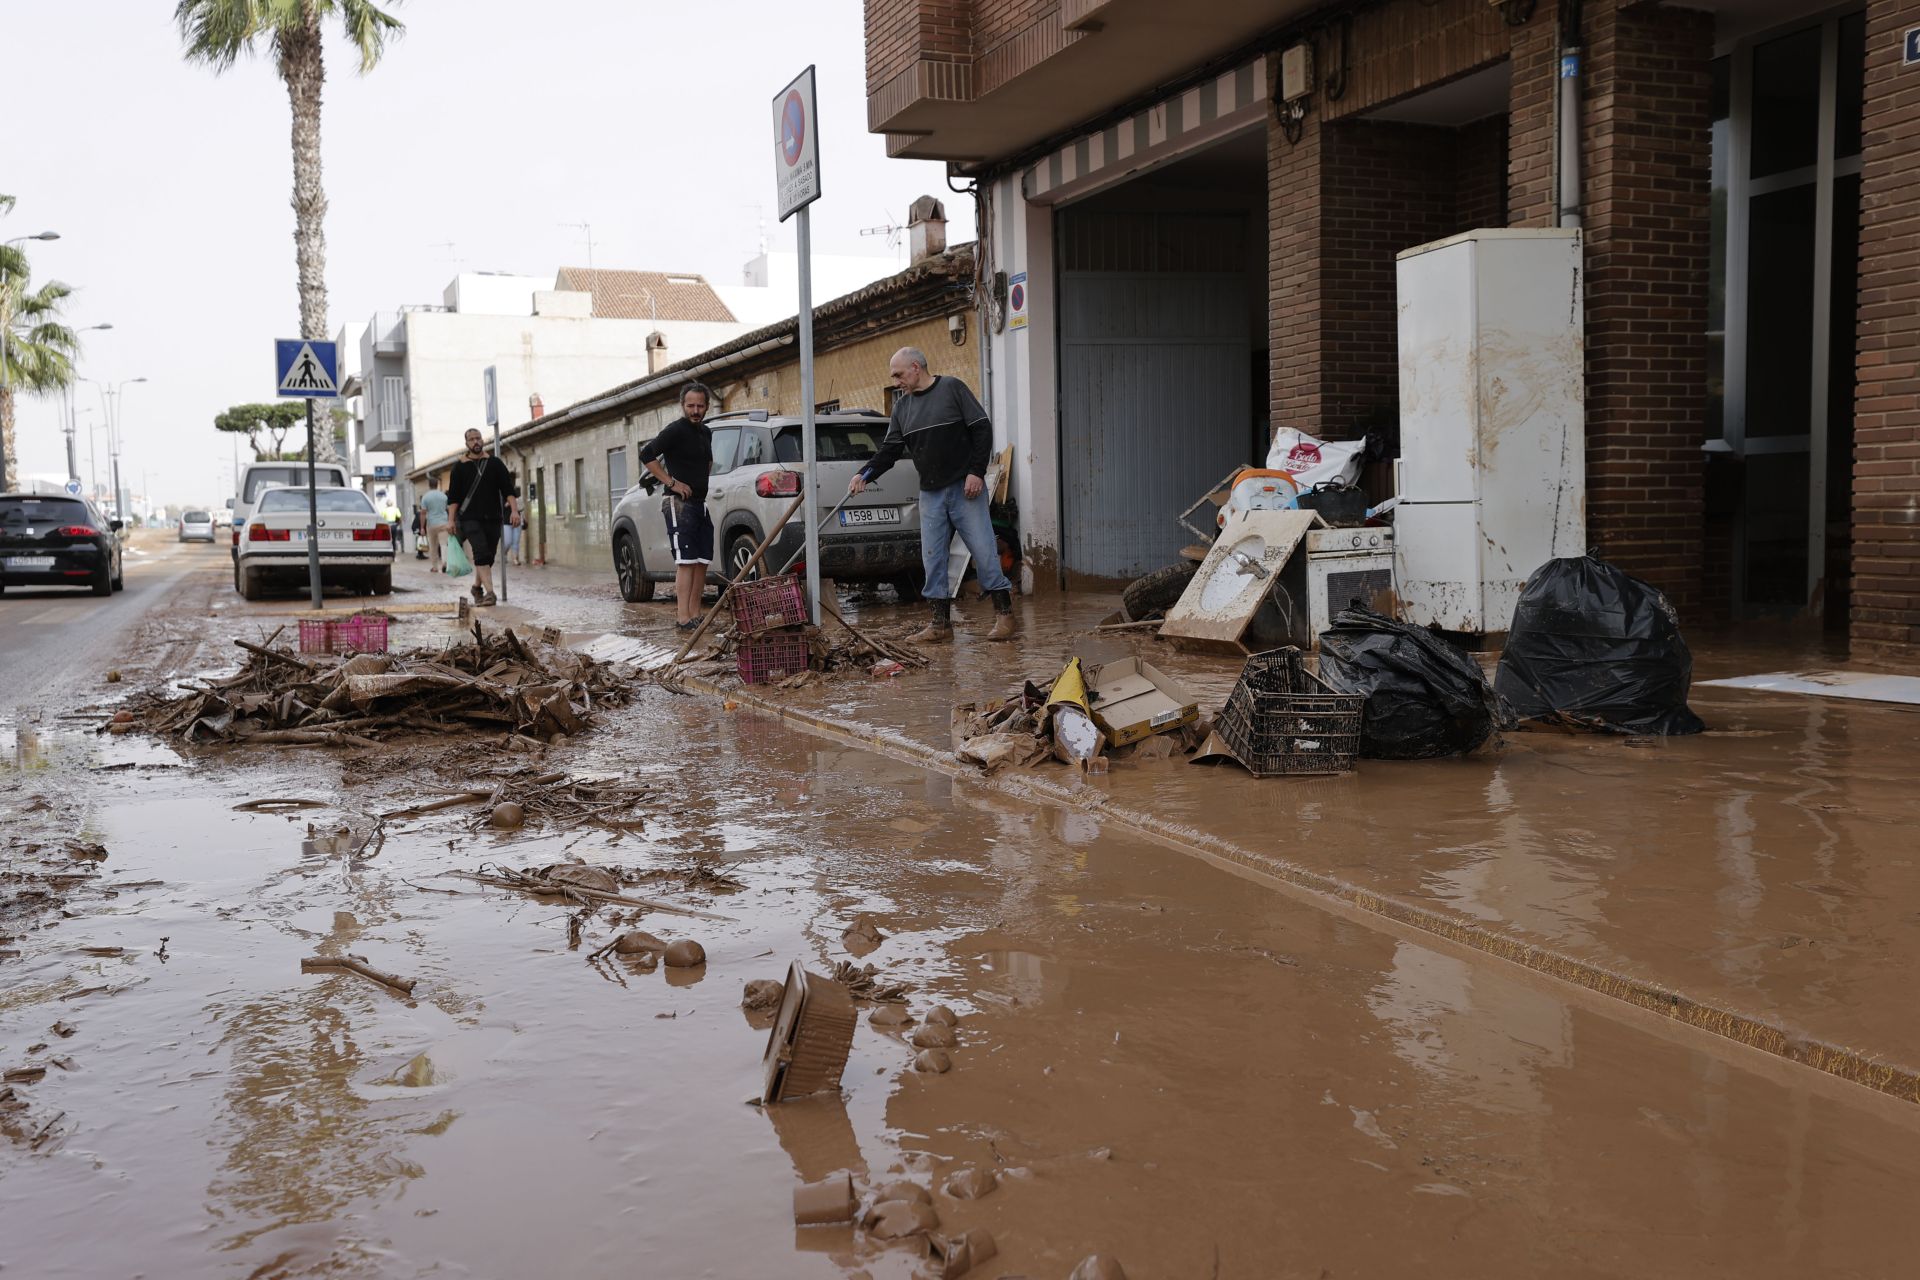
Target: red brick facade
[{"x": 1886, "y": 476}]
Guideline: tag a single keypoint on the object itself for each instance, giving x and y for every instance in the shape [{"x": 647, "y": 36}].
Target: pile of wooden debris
[{"x": 494, "y": 682}]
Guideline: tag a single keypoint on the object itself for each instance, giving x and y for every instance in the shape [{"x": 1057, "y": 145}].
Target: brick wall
[
  {"x": 1295, "y": 335},
  {"x": 900, "y": 33},
  {"x": 1480, "y": 168},
  {"x": 1647, "y": 153},
  {"x": 1885, "y": 620}
]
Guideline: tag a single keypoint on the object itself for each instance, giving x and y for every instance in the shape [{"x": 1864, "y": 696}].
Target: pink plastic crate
[
  {"x": 769, "y": 604},
  {"x": 343, "y": 635},
  {"x": 773, "y": 655}
]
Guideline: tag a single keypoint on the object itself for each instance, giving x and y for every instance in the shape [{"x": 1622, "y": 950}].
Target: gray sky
[{"x": 490, "y": 124}]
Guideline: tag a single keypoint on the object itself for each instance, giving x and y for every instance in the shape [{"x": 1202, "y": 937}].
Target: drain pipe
[{"x": 1568, "y": 110}]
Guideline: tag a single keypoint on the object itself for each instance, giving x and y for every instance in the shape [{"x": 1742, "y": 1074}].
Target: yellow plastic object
[
  {"x": 1258, "y": 489},
  {"x": 1071, "y": 687}
]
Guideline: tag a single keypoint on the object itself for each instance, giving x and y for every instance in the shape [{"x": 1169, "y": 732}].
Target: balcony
[
  {"x": 389, "y": 333},
  {"x": 990, "y": 90}
]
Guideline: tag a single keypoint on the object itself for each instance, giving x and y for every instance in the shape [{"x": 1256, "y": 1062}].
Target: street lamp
[
  {"x": 4, "y": 327},
  {"x": 110, "y": 404},
  {"x": 72, "y": 427}
]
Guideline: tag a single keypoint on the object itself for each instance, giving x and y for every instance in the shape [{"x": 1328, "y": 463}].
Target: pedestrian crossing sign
[{"x": 304, "y": 368}]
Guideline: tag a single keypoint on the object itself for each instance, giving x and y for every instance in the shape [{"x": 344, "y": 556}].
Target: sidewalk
[{"x": 1757, "y": 881}]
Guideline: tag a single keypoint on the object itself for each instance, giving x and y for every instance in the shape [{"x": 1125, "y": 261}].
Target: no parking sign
[
  {"x": 796, "y": 145},
  {"x": 1017, "y": 301}
]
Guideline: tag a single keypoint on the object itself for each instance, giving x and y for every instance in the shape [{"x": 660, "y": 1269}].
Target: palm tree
[
  {"x": 217, "y": 32},
  {"x": 38, "y": 350}
]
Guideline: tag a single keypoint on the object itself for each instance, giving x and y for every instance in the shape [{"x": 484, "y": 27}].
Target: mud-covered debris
[
  {"x": 491, "y": 682},
  {"x": 827, "y": 1201},
  {"x": 902, "y": 1189},
  {"x": 863, "y": 936},
  {"x": 942, "y": 1015},
  {"x": 889, "y": 1016},
  {"x": 898, "y": 1219},
  {"x": 933, "y": 1036},
  {"x": 864, "y": 983},
  {"x": 123, "y": 717},
  {"x": 359, "y": 965},
  {"x": 935, "y": 1062},
  {"x": 508, "y": 815},
  {"x": 578, "y": 883},
  {"x": 684, "y": 953},
  {"x": 954, "y": 1256},
  {"x": 63, "y": 1029},
  {"x": 637, "y": 942},
  {"x": 763, "y": 993},
  {"x": 23, "y": 1075},
  {"x": 86, "y": 851},
  {"x": 581, "y": 876},
  {"x": 971, "y": 1183},
  {"x": 1098, "y": 1266}
]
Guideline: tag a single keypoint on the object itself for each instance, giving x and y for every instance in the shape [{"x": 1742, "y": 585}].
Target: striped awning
[{"x": 1172, "y": 127}]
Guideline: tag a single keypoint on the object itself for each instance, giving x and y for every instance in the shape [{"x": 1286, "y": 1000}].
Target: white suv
[{"x": 756, "y": 475}]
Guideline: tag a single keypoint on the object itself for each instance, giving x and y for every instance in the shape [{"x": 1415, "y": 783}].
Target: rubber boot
[
  {"x": 1002, "y": 615},
  {"x": 939, "y": 628}
]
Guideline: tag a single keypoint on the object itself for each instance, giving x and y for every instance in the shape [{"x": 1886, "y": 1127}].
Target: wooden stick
[
  {"x": 883, "y": 648},
  {"x": 1129, "y": 626},
  {"x": 416, "y": 810},
  {"x": 766, "y": 544},
  {"x": 558, "y": 889},
  {"x": 264, "y": 652},
  {"x": 355, "y": 964}
]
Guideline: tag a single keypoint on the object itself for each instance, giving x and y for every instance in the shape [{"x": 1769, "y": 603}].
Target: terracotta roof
[{"x": 647, "y": 295}]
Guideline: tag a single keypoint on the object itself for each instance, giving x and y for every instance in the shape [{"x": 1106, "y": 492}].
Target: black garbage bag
[
  {"x": 1425, "y": 698},
  {"x": 1595, "y": 648}
]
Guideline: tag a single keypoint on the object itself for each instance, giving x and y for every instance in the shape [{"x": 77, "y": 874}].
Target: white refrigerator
[{"x": 1492, "y": 427}]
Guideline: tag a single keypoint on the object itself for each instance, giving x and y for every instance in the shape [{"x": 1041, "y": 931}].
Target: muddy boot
[
  {"x": 939, "y": 630},
  {"x": 1002, "y": 615}
]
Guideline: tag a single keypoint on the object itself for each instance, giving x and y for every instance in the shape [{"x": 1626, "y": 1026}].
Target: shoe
[
  {"x": 477, "y": 592},
  {"x": 484, "y": 598},
  {"x": 939, "y": 628},
  {"x": 1002, "y": 615}
]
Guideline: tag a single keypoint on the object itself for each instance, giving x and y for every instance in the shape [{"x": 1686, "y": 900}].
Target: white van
[{"x": 256, "y": 476}]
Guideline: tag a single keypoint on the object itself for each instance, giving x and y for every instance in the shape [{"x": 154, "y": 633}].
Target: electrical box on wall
[{"x": 1296, "y": 72}]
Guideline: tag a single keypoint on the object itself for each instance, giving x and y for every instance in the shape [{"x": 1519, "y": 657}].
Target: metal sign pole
[
  {"x": 313, "y": 516},
  {"x": 809, "y": 444}
]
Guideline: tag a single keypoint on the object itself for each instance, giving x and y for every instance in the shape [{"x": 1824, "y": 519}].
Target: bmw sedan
[
  {"x": 48, "y": 541},
  {"x": 355, "y": 543}
]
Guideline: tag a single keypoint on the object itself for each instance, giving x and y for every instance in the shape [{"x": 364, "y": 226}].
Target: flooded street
[{"x": 1161, "y": 1058}]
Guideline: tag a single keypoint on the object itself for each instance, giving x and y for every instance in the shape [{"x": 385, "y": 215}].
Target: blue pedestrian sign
[{"x": 305, "y": 368}]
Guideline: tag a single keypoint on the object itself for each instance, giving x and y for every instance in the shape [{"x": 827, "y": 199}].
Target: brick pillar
[
  {"x": 1535, "y": 62},
  {"x": 1647, "y": 180},
  {"x": 1294, "y": 275},
  {"x": 1885, "y": 618}
]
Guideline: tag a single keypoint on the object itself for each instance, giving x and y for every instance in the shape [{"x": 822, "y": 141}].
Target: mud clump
[
  {"x": 903, "y": 1189},
  {"x": 763, "y": 993},
  {"x": 508, "y": 816},
  {"x": 955, "y": 1256},
  {"x": 898, "y": 1219},
  {"x": 890, "y": 1016},
  {"x": 684, "y": 953},
  {"x": 863, "y": 936},
  {"x": 971, "y": 1184},
  {"x": 1098, "y": 1266},
  {"x": 822, "y": 1203},
  {"x": 581, "y": 876},
  {"x": 934, "y": 1062},
  {"x": 942, "y": 1015},
  {"x": 638, "y": 942},
  {"x": 934, "y": 1036}
]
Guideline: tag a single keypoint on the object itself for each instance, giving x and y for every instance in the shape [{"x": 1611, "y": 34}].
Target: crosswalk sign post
[{"x": 310, "y": 370}]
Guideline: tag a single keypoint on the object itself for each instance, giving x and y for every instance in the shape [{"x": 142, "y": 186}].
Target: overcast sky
[{"x": 490, "y": 125}]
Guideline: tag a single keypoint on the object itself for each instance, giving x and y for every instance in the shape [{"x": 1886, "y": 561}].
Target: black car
[{"x": 48, "y": 541}]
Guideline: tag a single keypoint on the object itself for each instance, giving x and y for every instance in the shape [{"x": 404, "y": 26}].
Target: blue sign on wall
[{"x": 1912, "y": 55}]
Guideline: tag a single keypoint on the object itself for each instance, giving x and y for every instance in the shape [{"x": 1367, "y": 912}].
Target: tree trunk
[
  {"x": 303, "y": 67},
  {"x": 6, "y": 437}
]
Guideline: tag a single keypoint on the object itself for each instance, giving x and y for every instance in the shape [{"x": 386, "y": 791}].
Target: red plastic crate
[
  {"x": 769, "y": 604},
  {"x": 343, "y": 635},
  {"x": 773, "y": 655}
]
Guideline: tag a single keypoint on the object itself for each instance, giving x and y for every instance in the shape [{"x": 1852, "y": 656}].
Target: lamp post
[
  {"x": 110, "y": 404},
  {"x": 72, "y": 427},
  {"x": 6, "y": 324}
]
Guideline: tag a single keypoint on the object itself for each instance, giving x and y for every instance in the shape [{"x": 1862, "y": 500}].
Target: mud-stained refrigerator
[{"x": 1492, "y": 427}]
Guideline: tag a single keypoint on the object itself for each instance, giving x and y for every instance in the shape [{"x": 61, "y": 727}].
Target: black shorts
[
  {"x": 482, "y": 538},
  {"x": 689, "y": 531}
]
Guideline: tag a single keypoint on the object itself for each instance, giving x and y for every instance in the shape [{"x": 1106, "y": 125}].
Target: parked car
[
  {"x": 756, "y": 475},
  {"x": 50, "y": 541},
  {"x": 256, "y": 477},
  {"x": 196, "y": 526},
  {"x": 356, "y": 544}
]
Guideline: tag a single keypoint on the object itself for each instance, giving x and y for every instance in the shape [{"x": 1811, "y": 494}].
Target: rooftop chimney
[
  {"x": 657, "y": 358},
  {"x": 927, "y": 229},
  {"x": 535, "y": 406}
]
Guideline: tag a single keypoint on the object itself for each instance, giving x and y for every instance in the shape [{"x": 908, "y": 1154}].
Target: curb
[{"x": 1331, "y": 892}]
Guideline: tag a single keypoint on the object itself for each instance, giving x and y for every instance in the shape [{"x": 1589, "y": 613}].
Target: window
[
  {"x": 753, "y": 448},
  {"x": 259, "y": 477},
  {"x": 559, "y": 490},
  {"x": 336, "y": 501},
  {"x": 827, "y": 406},
  {"x": 393, "y": 404},
  {"x": 579, "y": 484},
  {"x": 725, "y": 441},
  {"x": 836, "y": 441},
  {"x": 21, "y": 513},
  {"x": 617, "y": 483}
]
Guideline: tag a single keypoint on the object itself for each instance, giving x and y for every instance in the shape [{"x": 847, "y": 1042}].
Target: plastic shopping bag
[
  {"x": 458, "y": 565},
  {"x": 1311, "y": 462}
]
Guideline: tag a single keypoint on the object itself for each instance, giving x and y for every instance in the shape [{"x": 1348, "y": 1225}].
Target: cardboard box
[{"x": 1134, "y": 700}]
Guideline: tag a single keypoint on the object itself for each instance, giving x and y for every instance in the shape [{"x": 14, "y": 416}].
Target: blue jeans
[{"x": 944, "y": 511}]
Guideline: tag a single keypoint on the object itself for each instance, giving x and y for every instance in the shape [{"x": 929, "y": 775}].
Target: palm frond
[
  {"x": 6, "y": 203},
  {"x": 368, "y": 28}
]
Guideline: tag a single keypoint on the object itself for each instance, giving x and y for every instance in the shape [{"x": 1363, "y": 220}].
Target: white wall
[
  {"x": 1022, "y": 378},
  {"x": 483, "y": 294}
]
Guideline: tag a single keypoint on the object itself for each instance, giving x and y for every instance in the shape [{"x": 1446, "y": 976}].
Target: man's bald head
[{"x": 908, "y": 370}]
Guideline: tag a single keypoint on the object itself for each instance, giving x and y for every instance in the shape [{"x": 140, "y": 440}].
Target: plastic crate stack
[
  {"x": 1280, "y": 719},
  {"x": 769, "y": 621},
  {"x": 357, "y": 634}
]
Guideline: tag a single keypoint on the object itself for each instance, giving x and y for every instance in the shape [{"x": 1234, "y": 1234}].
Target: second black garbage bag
[
  {"x": 1593, "y": 647},
  {"x": 1425, "y": 698}
]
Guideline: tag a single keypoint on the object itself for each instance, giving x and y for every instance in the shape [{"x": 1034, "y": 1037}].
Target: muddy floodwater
[
  {"x": 1158, "y": 1057},
  {"x": 1160, "y": 1060}
]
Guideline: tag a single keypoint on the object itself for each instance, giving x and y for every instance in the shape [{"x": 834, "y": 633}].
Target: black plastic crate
[{"x": 1280, "y": 719}]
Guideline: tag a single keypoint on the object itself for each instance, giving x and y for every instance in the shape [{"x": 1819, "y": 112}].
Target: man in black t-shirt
[
  {"x": 686, "y": 450},
  {"x": 481, "y": 503}
]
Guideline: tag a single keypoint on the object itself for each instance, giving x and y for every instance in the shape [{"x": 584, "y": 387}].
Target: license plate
[
  {"x": 870, "y": 515},
  {"x": 24, "y": 563},
  {"x": 326, "y": 535}
]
